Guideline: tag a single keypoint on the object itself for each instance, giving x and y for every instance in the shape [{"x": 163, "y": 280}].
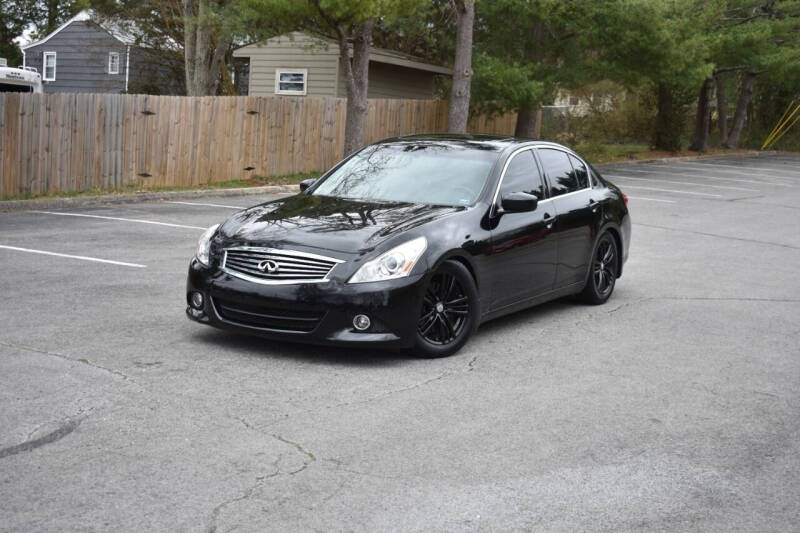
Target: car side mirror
[
  {"x": 305, "y": 184},
  {"x": 518, "y": 202}
]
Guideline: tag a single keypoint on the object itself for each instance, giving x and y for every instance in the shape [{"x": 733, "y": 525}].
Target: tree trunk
[
  {"x": 667, "y": 134},
  {"x": 746, "y": 92},
  {"x": 462, "y": 68},
  {"x": 702, "y": 125},
  {"x": 356, "y": 83},
  {"x": 189, "y": 44},
  {"x": 52, "y": 16},
  {"x": 528, "y": 122},
  {"x": 203, "y": 50},
  {"x": 722, "y": 108}
]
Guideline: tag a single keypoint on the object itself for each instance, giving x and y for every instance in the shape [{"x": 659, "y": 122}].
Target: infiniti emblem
[{"x": 269, "y": 266}]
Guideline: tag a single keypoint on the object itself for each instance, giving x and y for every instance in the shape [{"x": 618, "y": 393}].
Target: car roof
[{"x": 470, "y": 140}]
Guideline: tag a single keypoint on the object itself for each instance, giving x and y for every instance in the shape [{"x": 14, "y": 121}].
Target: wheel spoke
[
  {"x": 427, "y": 328},
  {"x": 448, "y": 327},
  {"x": 425, "y": 317},
  {"x": 449, "y": 290},
  {"x": 443, "y": 327}
]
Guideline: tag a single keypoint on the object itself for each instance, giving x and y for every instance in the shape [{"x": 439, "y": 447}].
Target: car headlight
[
  {"x": 203, "y": 253},
  {"x": 396, "y": 263}
]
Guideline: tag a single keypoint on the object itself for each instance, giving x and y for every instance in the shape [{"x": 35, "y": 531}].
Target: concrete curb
[
  {"x": 85, "y": 201},
  {"x": 692, "y": 157}
]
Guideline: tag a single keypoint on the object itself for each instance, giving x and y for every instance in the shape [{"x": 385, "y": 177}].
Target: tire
[
  {"x": 443, "y": 330},
  {"x": 603, "y": 269}
]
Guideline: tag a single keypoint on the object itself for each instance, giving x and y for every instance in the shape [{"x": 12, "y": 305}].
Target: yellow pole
[
  {"x": 785, "y": 130},
  {"x": 780, "y": 124}
]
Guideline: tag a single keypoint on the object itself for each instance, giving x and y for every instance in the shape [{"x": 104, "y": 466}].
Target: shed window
[
  {"x": 49, "y": 66},
  {"x": 113, "y": 63},
  {"x": 291, "y": 81}
]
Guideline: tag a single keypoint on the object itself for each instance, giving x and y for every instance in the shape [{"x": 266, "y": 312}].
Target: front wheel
[
  {"x": 450, "y": 312},
  {"x": 604, "y": 266}
]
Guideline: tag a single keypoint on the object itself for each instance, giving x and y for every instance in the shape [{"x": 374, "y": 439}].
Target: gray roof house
[
  {"x": 300, "y": 64},
  {"x": 83, "y": 56}
]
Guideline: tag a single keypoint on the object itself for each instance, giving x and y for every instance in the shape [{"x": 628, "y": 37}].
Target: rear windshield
[{"x": 438, "y": 173}]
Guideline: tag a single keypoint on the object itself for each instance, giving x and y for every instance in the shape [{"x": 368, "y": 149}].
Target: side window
[
  {"x": 113, "y": 63},
  {"x": 580, "y": 172},
  {"x": 559, "y": 171},
  {"x": 49, "y": 66},
  {"x": 291, "y": 81},
  {"x": 522, "y": 175}
]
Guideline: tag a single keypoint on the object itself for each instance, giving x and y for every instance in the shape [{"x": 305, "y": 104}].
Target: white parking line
[
  {"x": 673, "y": 191},
  {"x": 207, "y": 205},
  {"x": 730, "y": 170},
  {"x": 795, "y": 174},
  {"x": 68, "y": 256},
  {"x": 660, "y": 180},
  {"x": 650, "y": 199},
  {"x": 693, "y": 176},
  {"x": 140, "y": 221}
]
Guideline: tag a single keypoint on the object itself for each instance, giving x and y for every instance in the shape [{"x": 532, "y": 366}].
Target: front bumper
[{"x": 318, "y": 313}]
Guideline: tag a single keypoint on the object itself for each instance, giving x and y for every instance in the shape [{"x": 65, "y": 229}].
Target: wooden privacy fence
[{"x": 75, "y": 142}]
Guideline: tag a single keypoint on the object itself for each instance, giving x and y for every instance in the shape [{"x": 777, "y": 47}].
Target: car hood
[{"x": 328, "y": 223}]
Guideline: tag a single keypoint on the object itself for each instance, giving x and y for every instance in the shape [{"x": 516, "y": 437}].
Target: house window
[
  {"x": 49, "y": 66},
  {"x": 113, "y": 63},
  {"x": 291, "y": 81}
]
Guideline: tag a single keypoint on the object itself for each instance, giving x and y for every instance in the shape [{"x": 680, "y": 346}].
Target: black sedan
[{"x": 412, "y": 242}]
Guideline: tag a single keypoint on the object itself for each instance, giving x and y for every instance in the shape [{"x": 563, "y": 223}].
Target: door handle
[
  {"x": 594, "y": 205},
  {"x": 548, "y": 220}
]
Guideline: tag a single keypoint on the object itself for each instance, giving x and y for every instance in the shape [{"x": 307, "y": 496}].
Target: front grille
[
  {"x": 267, "y": 265},
  {"x": 267, "y": 317}
]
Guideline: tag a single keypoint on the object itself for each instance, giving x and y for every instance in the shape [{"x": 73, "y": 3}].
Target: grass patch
[
  {"x": 142, "y": 187},
  {"x": 599, "y": 153}
]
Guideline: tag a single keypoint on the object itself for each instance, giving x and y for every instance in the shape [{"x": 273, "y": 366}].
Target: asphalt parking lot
[{"x": 674, "y": 407}]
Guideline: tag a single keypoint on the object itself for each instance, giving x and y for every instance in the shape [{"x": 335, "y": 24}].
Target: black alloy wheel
[
  {"x": 604, "y": 269},
  {"x": 449, "y": 311}
]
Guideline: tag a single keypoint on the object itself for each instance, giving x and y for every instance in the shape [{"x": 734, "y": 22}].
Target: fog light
[
  {"x": 196, "y": 300},
  {"x": 361, "y": 322}
]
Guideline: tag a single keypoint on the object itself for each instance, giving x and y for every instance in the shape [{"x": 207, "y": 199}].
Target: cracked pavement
[{"x": 675, "y": 407}]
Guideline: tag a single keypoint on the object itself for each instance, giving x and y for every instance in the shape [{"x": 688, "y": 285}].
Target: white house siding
[{"x": 298, "y": 51}]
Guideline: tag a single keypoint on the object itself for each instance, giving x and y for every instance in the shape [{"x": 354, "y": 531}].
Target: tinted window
[
  {"x": 559, "y": 171},
  {"x": 522, "y": 175},
  {"x": 439, "y": 173},
  {"x": 580, "y": 172}
]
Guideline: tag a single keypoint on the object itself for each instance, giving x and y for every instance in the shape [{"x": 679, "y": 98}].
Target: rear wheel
[
  {"x": 449, "y": 313},
  {"x": 603, "y": 271}
]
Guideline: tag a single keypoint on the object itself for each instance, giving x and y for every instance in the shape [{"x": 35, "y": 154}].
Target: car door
[
  {"x": 571, "y": 194},
  {"x": 523, "y": 251}
]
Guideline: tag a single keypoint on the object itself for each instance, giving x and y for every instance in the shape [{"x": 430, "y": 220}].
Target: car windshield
[{"x": 428, "y": 173}]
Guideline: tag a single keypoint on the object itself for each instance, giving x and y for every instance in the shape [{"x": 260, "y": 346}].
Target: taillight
[{"x": 625, "y": 198}]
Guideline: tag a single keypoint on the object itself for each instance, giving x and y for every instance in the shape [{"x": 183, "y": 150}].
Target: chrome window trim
[
  {"x": 493, "y": 208},
  {"x": 277, "y": 251},
  {"x": 534, "y": 147},
  {"x": 568, "y": 152}
]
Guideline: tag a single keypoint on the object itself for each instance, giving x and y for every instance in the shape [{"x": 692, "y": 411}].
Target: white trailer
[{"x": 19, "y": 80}]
